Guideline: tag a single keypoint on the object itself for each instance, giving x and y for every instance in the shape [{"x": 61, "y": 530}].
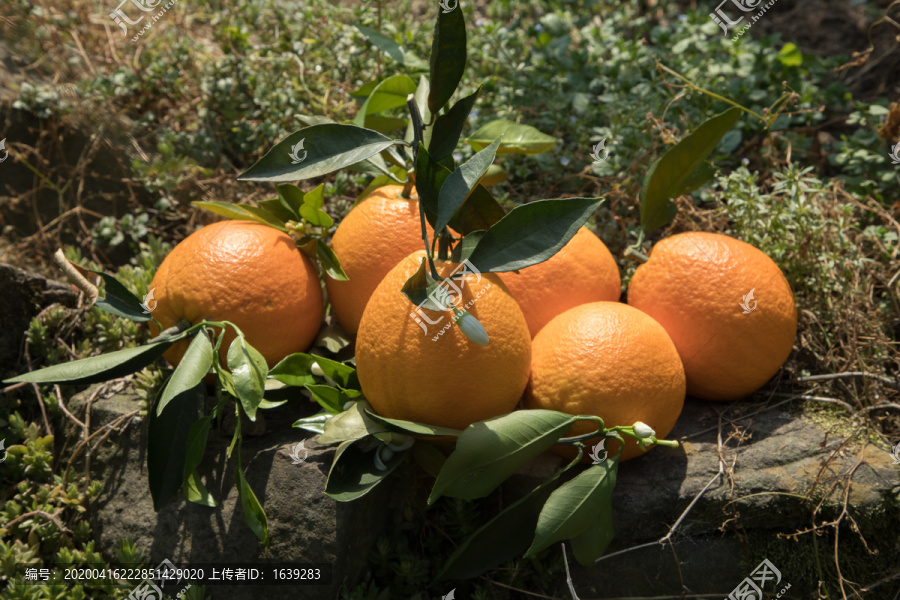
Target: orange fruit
[
  {"x": 375, "y": 235},
  {"x": 609, "y": 360},
  {"x": 582, "y": 271},
  {"x": 416, "y": 365},
  {"x": 248, "y": 273},
  {"x": 698, "y": 286}
]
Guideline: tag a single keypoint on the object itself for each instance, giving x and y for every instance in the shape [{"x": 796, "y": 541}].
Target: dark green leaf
[
  {"x": 421, "y": 97},
  {"x": 322, "y": 150},
  {"x": 122, "y": 303},
  {"x": 410, "y": 428},
  {"x": 352, "y": 424},
  {"x": 167, "y": 443},
  {"x": 672, "y": 174},
  {"x": 463, "y": 250},
  {"x": 390, "y": 93},
  {"x": 329, "y": 261},
  {"x": 573, "y": 507},
  {"x": 194, "y": 490},
  {"x": 315, "y": 423},
  {"x": 279, "y": 209},
  {"x": 194, "y": 365},
  {"x": 489, "y": 451},
  {"x": 516, "y": 138},
  {"x": 429, "y": 458},
  {"x": 430, "y": 176},
  {"x": 420, "y": 288},
  {"x": 329, "y": 398},
  {"x": 383, "y": 124},
  {"x": 296, "y": 369},
  {"x": 531, "y": 233},
  {"x": 243, "y": 212},
  {"x": 399, "y": 176},
  {"x": 457, "y": 186},
  {"x": 479, "y": 212},
  {"x": 392, "y": 49},
  {"x": 448, "y": 127},
  {"x": 353, "y": 472},
  {"x": 99, "y": 368},
  {"x": 448, "y": 57},
  {"x": 589, "y": 545},
  {"x": 248, "y": 370},
  {"x": 291, "y": 195},
  {"x": 254, "y": 515}
]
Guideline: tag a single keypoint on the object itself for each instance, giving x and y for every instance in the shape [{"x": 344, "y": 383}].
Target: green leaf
[
  {"x": 448, "y": 127},
  {"x": 790, "y": 55},
  {"x": 420, "y": 288},
  {"x": 329, "y": 398},
  {"x": 457, "y": 186},
  {"x": 590, "y": 545},
  {"x": 318, "y": 119},
  {"x": 394, "y": 50},
  {"x": 410, "y": 428},
  {"x": 673, "y": 174},
  {"x": 489, "y": 451},
  {"x": 167, "y": 443},
  {"x": 99, "y": 368},
  {"x": 430, "y": 177},
  {"x": 243, "y": 212},
  {"x": 383, "y": 124},
  {"x": 296, "y": 369},
  {"x": 248, "y": 370},
  {"x": 421, "y": 97},
  {"x": 291, "y": 195},
  {"x": 574, "y": 506},
  {"x": 329, "y": 261},
  {"x": 479, "y": 212},
  {"x": 448, "y": 57},
  {"x": 315, "y": 423},
  {"x": 327, "y": 148},
  {"x": 280, "y": 209},
  {"x": 531, "y": 233},
  {"x": 495, "y": 174},
  {"x": 315, "y": 197},
  {"x": 316, "y": 216},
  {"x": 194, "y": 490},
  {"x": 516, "y": 138},
  {"x": 429, "y": 458},
  {"x": 503, "y": 538},
  {"x": 352, "y": 424},
  {"x": 399, "y": 176},
  {"x": 254, "y": 515},
  {"x": 353, "y": 473},
  {"x": 390, "y": 93},
  {"x": 120, "y": 302},
  {"x": 463, "y": 250},
  {"x": 196, "y": 363}
]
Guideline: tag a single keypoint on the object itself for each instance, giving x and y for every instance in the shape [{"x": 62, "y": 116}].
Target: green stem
[
  {"x": 418, "y": 136},
  {"x": 697, "y": 88}
]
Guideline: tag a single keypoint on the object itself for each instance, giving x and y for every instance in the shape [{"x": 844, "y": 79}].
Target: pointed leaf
[
  {"x": 248, "y": 370},
  {"x": 448, "y": 57},
  {"x": 573, "y": 507},
  {"x": 291, "y": 195},
  {"x": 353, "y": 473},
  {"x": 673, "y": 173},
  {"x": 242, "y": 212},
  {"x": 410, "y": 428},
  {"x": 429, "y": 458},
  {"x": 194, "y": 365},
  {"x": 494, "y": 175},
  {"x": 479, "y": 212},
  {"x": 296, "y": 369},
  {"x": 421, "y": 97},
  {"x": 194, "y": 490},
  {"x": 420, "y": 288},
  {"x": 328, "y": 147},
  {"x": 489, "y": 451},
  {"x": 516, "y": 138},
  {"x": 390, "y": 93},
  {"x": 383, "y": 124},
  {"x": 254, "y": 515},
  {"x": 457, "y": 186},
  {"x": 531, "y": 233},
  {"x": 448, "y": 127},
  {"x": 167, "y": 443},
  {"x": 329, "y": 398},
  {"x": 315, "y": 423},
  {"x": 316, "y": 216},
  {"x": 329, "y": 261},
  {"x": 430, "y": 176},
  {"x": 119, "y": 301},
  {"x": 279, "y": 209},
  {"x": 351, "y": 424},
  {"x": 590, "y": 545},
  {"x": 394, "y": 50}
]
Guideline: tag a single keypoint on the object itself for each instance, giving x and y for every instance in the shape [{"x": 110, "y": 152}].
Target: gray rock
[
  {"x": 305, "y": 525},
  {"x": 24, "y": 295}
]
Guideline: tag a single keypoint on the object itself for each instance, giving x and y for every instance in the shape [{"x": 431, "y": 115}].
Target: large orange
[
  {"x": 582, "y": 271},
  {"x": 375, "y": 235},
  {"x": 248, "y": 273},
  {"x": 697, "y": 285},
  {"x": 609, "y": 360},
  {"x": 417, "y": 365}
]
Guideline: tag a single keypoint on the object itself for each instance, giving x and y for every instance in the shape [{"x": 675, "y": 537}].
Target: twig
[
  {"x": 520, "y": 590},
  {"x": 62, "y": 405},
  {"x": 568, "y": 574},
  {"x": 37, "y": 392},
  {"x": 881, "y": 406},
  {"x": 849, "y": 408},
  {"x": 849, "y": 375},
  {"x": 40, "y": 513},
  {"x": 76, "y": 278}
]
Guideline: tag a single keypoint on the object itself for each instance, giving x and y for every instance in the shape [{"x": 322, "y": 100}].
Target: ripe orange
[
  {"x": 609, "y": 360},
  {"x": 695, "y": 285},
  {"x": 248, "y": 273},
  {"x": 375, "y": 235},
  {"x": 582, "y": 271},
  {"x": 416, "y": 365}
]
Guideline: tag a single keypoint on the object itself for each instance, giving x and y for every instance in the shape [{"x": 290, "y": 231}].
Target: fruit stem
[
  {"x": 637, "y": 255},
  {"x": 408, "y": 186},
  {"x": 444, "y": 244}
]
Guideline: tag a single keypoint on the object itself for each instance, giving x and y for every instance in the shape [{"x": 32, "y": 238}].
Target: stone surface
[
  {"x": 305, "y": 526},
  {"x": 23, "y": 295}
]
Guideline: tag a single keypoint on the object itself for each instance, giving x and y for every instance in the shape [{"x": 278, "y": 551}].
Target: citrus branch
[{"x": 418, "y": 136}]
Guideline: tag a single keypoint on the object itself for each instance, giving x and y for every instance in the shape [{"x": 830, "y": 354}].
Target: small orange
[
  {"x": 375, "y": 235},
  {"x": 248, "y": 273},
  {"x": 417, "y": 365},
  {"x": 609, "y": 360},
  {"x": 582, "y": 271},
  {"x": 727, "y": 307}
]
